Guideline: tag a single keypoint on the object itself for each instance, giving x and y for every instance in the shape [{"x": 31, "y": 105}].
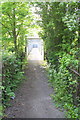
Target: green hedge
[
  {"x": 64, "y": 83},
  {"x": 12, "y": 77}
]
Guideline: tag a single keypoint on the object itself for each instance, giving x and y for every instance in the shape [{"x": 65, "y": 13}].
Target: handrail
[{"x": 74, "y": 71}]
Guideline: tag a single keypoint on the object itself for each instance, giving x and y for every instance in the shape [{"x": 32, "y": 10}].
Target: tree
[
  {"x": 15, "y": 22},
  {"x": 62, "y": 45}
]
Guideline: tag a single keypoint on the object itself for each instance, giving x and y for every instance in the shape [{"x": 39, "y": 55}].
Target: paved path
[{"x": 33, "y": 97}]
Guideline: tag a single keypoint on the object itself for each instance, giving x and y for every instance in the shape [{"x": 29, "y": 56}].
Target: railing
[
  {"x": 74, "y": 71},
  {"x": 75, "y": 75}
]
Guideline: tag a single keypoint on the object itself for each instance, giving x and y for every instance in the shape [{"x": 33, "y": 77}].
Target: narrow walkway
[{"x": 33, "y": 97}]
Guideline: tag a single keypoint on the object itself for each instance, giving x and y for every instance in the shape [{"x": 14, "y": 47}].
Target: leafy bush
[
  {"x": 12, "y": 77},
  {"x": 60, "y": 33},
  {"x": 65, "y": 85},
  {"x": 1, "y": 107}
]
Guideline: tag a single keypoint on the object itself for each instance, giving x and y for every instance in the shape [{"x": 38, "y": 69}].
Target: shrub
[
  {"x": 12, "y": 77},
  {"x": 65, "y": 85}
]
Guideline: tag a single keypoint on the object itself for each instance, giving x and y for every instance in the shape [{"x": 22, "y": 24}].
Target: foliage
[
  {"x": 60, "y": 32},
  {"x": 12, "y": 77},
  {"x": 16, "y": 20},
  {"x": 59, "y": 22},
  {"x": 65, "y": 86},
  {"x": 1, "y": 107}
]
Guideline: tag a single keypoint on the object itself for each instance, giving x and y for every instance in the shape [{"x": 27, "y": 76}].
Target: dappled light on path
[{"x": 35, "y": 55}]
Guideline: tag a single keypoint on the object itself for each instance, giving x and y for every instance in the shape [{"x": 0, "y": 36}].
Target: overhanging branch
[{"x": 7, "y": 28}]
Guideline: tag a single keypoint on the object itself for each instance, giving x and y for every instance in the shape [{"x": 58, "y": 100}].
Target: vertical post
[{"x": 42, "y": 49}]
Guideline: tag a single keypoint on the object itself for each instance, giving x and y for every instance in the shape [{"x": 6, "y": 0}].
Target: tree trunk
[{"x": 14, "y": 29}]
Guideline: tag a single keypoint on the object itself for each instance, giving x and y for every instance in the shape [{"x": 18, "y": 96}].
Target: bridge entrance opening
[{"x": 35, "y": 48}]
